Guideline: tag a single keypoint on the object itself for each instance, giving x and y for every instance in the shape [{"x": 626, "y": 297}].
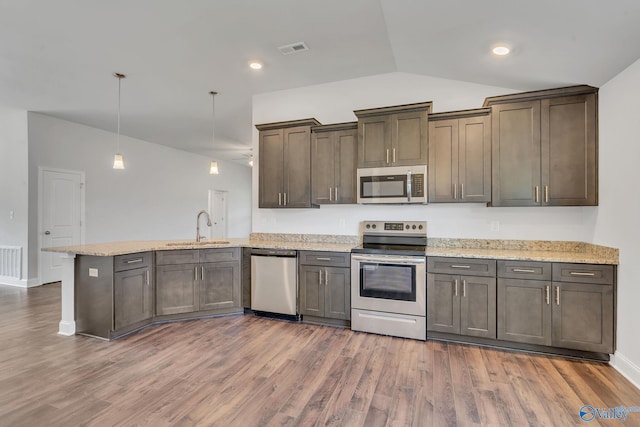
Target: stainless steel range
[{"x": 388, "y": 279}]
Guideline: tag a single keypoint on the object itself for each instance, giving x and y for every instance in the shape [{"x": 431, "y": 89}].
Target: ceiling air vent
[{"x": 293, "y": 48}]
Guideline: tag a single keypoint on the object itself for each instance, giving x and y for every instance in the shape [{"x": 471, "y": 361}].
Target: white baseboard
[
  {"x": 627, "y": 368},
  {"x": 67, "y": 328},
  {"x": 19, "y": 283}
]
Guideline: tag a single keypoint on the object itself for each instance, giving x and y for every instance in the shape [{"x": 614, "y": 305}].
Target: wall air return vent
[{"x": 293, "y": 48}]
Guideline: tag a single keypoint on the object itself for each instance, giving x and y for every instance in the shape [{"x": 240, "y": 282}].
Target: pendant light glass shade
[
  {"x": 118, "y": 159},
  {"x": 213, "y": 168}
]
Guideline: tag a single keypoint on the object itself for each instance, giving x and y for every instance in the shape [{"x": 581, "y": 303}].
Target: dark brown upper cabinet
[
  {"x": 284, "y": 168},
  {"x": 393, "y": 136},
  {"x": 545, "y": 147},
  {"x": 460, "y": 156},
  {"x": 333, "y": 163}
]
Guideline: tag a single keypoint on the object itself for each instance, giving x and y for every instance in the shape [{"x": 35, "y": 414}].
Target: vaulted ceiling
[{"x": 57, "y": 57}]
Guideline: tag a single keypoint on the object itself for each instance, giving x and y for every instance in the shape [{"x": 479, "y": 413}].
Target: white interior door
[
  {"x": 218, "y": 209},
  {"x": 61, "y": 217}
]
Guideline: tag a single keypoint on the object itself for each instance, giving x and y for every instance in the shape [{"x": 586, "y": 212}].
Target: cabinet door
[
  {"x": 515, "y": 137},
  {"x": 270, "y": 168},
  {"x": 474, "y": 159},
  {"x": 297, "y": 167},
  {"x": 443, "y": 303},
  {"x": 322, "y": 167},
  {"x": 337, "y": 293},
  {"x": 311, "y": 291},
  {"x": 176, "y": 288},
  {"x": 524, "y": 311},
  {"x": 133, "y": 297},
  {"x": 345, "y": 166},
  {"x": 443, "y": 161},
  {"x": 409, "y": 138},
  {"x": 478, "y": 307},
  {"x": 583, "y": 316},
  {"x": 374, "y": 135},
  {"x": 219, "y": 285},
  {"x": 569, "y": 151}
]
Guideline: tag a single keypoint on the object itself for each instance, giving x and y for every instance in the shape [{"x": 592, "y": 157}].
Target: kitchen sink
[{"x": 200, "y": 243}]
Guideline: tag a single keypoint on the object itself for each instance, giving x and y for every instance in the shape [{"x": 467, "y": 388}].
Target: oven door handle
[
  {"x": 409, "y": 185},
  {"x": 396, "y": 260}
]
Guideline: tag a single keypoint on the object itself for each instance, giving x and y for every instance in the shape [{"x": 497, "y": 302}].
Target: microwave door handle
[{"x": 409, "y": 185}]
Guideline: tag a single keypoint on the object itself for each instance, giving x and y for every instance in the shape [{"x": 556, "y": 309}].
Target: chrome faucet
[{"x": 198, "y": 236}]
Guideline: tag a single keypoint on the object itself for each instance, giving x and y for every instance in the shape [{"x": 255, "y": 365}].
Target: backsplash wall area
[{"x": 335, "y": 102}]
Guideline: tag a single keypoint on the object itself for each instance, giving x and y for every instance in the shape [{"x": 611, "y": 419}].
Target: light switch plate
[{"x": 93, "y": 272}]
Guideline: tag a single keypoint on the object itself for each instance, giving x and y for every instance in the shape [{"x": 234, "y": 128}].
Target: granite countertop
[{"x": 529, "y": 250}]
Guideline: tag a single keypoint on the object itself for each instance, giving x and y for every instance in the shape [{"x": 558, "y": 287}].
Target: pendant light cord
[
  {"x": 213, "y": 118},
  {"x": 119, "y": 76}
]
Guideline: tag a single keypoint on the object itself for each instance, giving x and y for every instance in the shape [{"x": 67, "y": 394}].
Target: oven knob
[
  {"x": 407, "y": 226},
  {"x": 368, "y": 225},
  {"x": 420, "y": 227},
  {"x": 414, "y": 226},
  {"x": 373, "y": 226}
]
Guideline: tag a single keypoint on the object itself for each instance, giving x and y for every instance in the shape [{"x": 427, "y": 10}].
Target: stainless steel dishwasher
[{"x": 274, "y": 281}]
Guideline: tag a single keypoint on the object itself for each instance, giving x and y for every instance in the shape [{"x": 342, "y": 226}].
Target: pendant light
[
  {"x": 118, "y": 159},
  {"x": 213, "y": 168}
]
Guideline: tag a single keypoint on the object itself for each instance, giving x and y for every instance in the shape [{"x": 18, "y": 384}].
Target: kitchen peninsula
[{"x": 574, "y": 272}]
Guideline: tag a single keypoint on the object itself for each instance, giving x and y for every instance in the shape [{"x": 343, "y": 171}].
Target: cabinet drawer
[
  {"x": 462, "y": 266},
  {"x": 583, "y": 273},
  {"x": 180, "y": 256},
  {"x": 131, "y": 261},
  {"x": 328, "y": 259},
  {"x": 221, "y": 254},
  {"x": 524, "y": 270}
]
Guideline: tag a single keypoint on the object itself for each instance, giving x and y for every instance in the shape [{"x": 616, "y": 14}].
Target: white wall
[
  {"x": 14, "y": 181},
  {"x": 335, "y": 102},
  {"x": 617, "y": 221},
  {"x": 156, "y": 197}
]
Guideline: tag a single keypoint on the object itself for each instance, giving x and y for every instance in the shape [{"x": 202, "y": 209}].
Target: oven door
[{"x": 389, "y": 283}]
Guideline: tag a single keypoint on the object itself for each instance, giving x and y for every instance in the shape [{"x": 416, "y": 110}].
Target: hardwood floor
[{"x": 249, "y": 371}]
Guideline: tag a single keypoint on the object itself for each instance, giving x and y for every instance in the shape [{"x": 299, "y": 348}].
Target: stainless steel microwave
[{"x": 395, "y": 184}]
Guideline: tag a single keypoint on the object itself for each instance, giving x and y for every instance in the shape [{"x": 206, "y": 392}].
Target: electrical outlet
[
  {"x": 93, "y": 272},
  {"x": 495, "y": 226}
]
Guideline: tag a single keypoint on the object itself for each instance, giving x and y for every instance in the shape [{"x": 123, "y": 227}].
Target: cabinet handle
[
  {"x": 546, "y": 194},
  {"x": 456, "y": 287},
  {"x": 546, "y": 294},
  {"x": 330, "y": 198},
  {"x": 387, "y": 156},
  {"x": 326, "y": 277},
  {"x": 394, "y": 155},
  {"x": 335, "y": 194},
  {"x": 523, "y": 270},
  {"x": 195, "y": 273},
  {"x": 320, "y": 277},
  {"x": 279, "y": 199},
  {"x": 285, "y": 199},
  {"x": 464, "y": 288},
  {"x": 134, "y": 261},
  {"x": 537, "y": 191},
  {"x": 557, "y": 295},
  {"x": 461, "y": 191},
  {"x": 579, "y": 273},
  {"x": 460, "y": 266},
  {"x": 147, "y": 276},
  {"x": 202, "y": 272},
  {"x": 323, "y": 259},
  {"x": 455, "y": 191}
]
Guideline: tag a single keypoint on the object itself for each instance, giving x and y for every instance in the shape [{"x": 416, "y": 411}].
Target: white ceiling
[{"x": 57, "y": 57}]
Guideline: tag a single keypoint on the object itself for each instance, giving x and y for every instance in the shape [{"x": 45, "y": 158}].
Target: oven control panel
[{"x": 395, "y": 227}]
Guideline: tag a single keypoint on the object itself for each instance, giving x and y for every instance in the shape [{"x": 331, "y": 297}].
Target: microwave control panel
[{"x": 417, "y": 185}]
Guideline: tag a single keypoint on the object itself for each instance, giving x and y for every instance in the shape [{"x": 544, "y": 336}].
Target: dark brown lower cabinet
[
  {"x": 578, "y": 316},
  {"x": 462, "y": 305},
  {"x": 176, "y": 289},
  {"x": 325, "y": 286},
  {"x": 132, "y": 297},
  {"x": 220, "y": 285}
]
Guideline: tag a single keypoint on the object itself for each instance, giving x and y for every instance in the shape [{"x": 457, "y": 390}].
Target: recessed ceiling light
[
  {"x": 255, "y": 65},
  {"x": 501, "y": 50}
]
